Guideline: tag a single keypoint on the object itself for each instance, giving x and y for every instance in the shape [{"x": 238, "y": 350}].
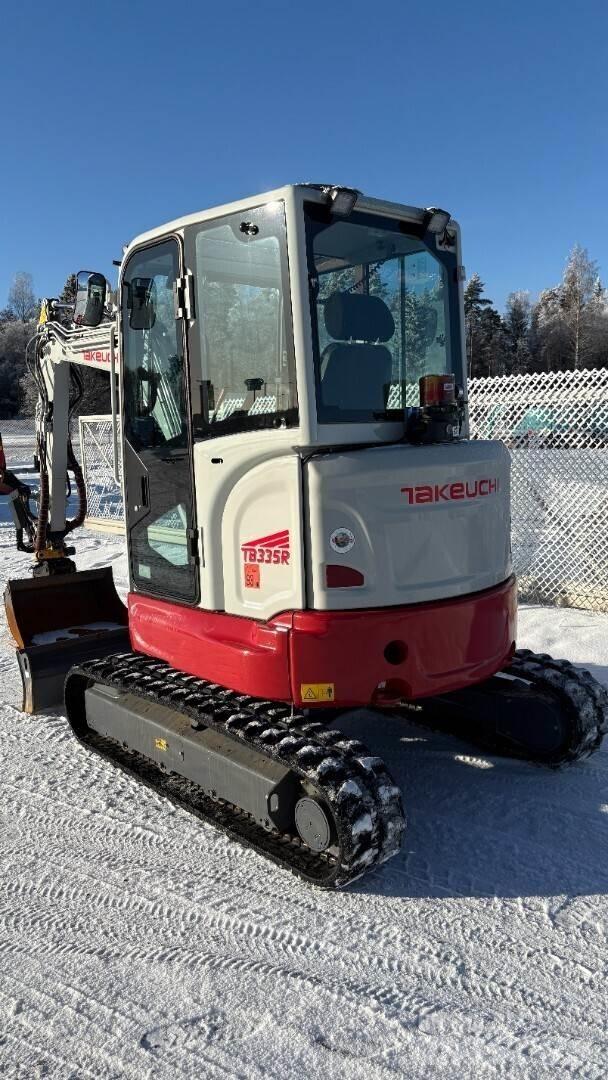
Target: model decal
[
  {"x": 462, "y": 489},
  {"x": 268, "y": 549}
]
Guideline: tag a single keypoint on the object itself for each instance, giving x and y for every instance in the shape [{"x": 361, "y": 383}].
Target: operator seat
[{"x": 356, "y": 370}]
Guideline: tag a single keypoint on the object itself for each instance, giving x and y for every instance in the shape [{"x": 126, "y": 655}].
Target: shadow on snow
[{"x": 487, "y": 826}]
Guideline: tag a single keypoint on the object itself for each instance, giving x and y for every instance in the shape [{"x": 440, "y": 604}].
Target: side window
[
  {"x": 153, "y": 372},
  {"x": 158, "y": 477},
  {"x": 244, "y": 321}
]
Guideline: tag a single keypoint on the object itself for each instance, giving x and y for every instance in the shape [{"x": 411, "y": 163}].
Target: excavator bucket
[{"x": 59, "y": 621}]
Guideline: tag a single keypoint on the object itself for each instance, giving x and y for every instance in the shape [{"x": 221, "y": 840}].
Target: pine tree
[
  {"x": 68, "y": 293},
  {"x": 474, "y": 303},
  {"x": 517, "y": 323}
]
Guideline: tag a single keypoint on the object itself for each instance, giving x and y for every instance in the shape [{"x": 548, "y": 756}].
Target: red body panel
[
  {"x": 435, "y": 647},
  {"x": 249, "y": 656}
]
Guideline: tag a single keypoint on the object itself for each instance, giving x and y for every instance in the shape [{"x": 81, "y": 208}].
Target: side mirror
[
  {"x": 140, "y": 303},
  {"x": 90, "y": 298}
]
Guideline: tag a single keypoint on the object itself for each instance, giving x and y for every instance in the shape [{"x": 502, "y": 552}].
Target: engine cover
[{"x": 417, "y": 523}]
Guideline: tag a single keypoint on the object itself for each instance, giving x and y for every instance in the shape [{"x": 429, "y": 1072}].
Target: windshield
[{"x": 380, "y": 316}]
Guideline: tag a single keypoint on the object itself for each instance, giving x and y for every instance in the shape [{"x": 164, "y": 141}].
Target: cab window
[{"x": 247, "y": 372}]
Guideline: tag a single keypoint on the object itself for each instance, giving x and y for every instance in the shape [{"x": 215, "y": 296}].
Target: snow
[{"x": 136, "y": 942}]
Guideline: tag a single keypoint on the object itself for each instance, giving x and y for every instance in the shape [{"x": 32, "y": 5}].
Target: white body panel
[
  {"x": 248, "y": 488},
  {"x": 410, "y": 545},
  {"x": 429, "y": 522},
  {"x": 263, "y": 570}
]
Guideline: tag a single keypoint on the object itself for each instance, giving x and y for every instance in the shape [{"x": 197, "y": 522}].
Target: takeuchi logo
[
  {"x": 268, "y": 549},
  {"x": 460, "y": 489},
  {"x": 96, "y": 356}
]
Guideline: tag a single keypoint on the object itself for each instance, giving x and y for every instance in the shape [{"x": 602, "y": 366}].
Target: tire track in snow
[
  {"x": 505, "y": 986},
  {"x": 133, "y": 1030},
  {"x": 414, "y": 1008},
  {"x": 274, "y": 941}
]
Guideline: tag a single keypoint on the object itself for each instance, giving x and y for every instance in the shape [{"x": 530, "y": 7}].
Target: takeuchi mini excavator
[{"x": 309, "y": 527}]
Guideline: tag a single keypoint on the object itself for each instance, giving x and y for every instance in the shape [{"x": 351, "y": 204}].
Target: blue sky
[{"x": 117, "y": 117}]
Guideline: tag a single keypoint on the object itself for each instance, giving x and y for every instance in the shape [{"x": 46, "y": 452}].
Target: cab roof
[{"x": 311, "y": 192}]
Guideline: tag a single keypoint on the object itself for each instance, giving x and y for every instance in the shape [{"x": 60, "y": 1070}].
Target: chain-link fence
[
  {"x": 104, "y": 495},
  {"x": 92, "y": 442},
  {"x": 19, "y": 442},
  {"x": 556, "y": 428}
]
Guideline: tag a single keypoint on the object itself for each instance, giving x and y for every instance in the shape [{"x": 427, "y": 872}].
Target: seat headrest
[{"x": 358, "y": 317}]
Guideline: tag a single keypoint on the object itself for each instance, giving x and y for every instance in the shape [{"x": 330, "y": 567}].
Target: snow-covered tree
[
  {"x": 569, "y": 325},
  {"x": 577, "y": 291},
  {"x": 21, "y": 299}
]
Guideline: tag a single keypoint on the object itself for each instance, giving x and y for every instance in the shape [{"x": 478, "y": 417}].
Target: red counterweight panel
[{"x": 358, "y": 657}]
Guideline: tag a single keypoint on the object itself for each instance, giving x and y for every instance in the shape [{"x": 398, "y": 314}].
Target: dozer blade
[{"x": 60, "y": 621}]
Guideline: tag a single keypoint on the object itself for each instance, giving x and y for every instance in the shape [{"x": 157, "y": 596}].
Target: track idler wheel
[{"x": 314, "y": 824}]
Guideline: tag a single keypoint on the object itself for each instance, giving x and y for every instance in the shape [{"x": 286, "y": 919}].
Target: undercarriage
[
  {"x": 306, "y": 797},
  {"x": 286, "y": 784},
  {"x": 539, "y": 709}
]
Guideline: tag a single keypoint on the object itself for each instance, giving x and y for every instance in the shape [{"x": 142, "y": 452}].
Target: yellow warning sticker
[
  {"x": 317, "y": 691},
  {"x": 161, "y": 744}
]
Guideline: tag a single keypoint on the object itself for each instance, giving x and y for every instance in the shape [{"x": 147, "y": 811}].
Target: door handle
[{"x": 145, "y": 496}]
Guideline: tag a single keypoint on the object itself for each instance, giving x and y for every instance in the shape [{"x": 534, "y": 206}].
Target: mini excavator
[{"x": 309, "y": 527}]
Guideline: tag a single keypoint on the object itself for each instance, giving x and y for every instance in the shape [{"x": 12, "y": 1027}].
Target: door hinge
[
  {"x": 183, "y": 296},
  {"x": 193, "y": 552}
]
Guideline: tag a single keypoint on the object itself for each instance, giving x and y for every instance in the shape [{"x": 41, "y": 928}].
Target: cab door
[{"x": 159, "y": 486}]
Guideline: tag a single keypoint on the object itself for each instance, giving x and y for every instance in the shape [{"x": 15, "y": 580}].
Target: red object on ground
[{"x": 368, "y": 656}]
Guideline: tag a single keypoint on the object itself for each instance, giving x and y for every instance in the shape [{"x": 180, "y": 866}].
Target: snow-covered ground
[{"x": 136, "y": 942}]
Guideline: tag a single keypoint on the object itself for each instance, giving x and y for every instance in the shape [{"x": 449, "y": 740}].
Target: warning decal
[
  {"x": 252, "y": 576},
  {"x": 317, "y": 691}
]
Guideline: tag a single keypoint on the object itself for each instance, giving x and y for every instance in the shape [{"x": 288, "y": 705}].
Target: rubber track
[
  {"x": 581, "y": 698},
  {"x": 361, "y": 795}
]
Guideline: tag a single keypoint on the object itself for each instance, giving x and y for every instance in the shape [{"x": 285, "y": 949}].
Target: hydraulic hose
[
  {"x": 43, "y": 504},
  {"x": 73, "y": 464}
]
